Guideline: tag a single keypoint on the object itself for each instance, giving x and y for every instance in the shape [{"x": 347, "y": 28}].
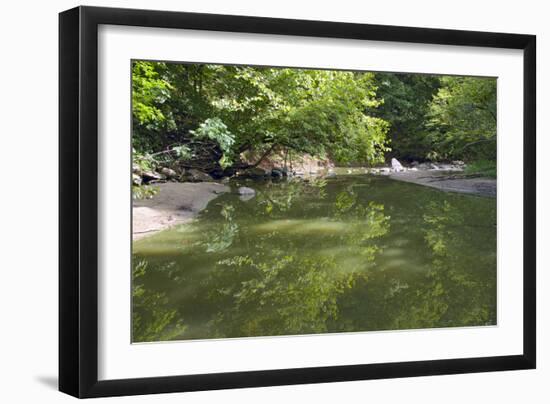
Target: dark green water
[{"x": 355, "y": 253}]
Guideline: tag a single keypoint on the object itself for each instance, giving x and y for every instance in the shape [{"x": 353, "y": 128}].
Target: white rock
[
  {"x": 396, "y": 165},
  {"x": 245, "y": 191}
]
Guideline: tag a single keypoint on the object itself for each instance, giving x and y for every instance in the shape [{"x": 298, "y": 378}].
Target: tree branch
[
  {"x": 476, "y": 142},
  {"x": 262, "y": 157}
]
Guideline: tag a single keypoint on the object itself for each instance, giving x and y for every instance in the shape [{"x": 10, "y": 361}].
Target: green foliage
[
  {"x": 462, "y": 119},
  {"x": 144, "y": 191},
  {"x": 438, "y": 117},
  {"x": 324, "y": 113},
  {"x": 206, "y": 116},
  {"x": 484, "y": 168},
  {"x": 183, "y": 152},
  {"x": 150, "y": 91},
  {"x": 219, "y": 112},
  {"x": 143, "y": 161},
  {"x": 215, "y": 130},
  {"x": 405, "y": 101}
]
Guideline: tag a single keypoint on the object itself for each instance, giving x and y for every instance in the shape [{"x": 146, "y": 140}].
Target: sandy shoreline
[{"x": 175, "y": 203}]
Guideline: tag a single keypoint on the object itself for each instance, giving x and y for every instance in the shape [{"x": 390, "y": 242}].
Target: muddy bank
[
  {"x": 175, "y": 203},
  {"x": 449, "y": 181}
]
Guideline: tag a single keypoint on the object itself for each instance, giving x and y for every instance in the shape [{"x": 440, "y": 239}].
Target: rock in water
[
  {"x": 245, "y": 191},
  {"x": 396, "y": 165}
]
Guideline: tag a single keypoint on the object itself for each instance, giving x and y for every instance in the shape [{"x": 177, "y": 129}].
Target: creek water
[{"x": 346, "y": 254}]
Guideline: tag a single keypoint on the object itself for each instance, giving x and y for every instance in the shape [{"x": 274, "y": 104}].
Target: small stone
[
  {"x": 149, "y": 176},
  {"x": 136, "y": 179},
  {"x": 195, "y": 175},
  {"x": 246, "y": 191},
  {"x": 168, "y": 172}
]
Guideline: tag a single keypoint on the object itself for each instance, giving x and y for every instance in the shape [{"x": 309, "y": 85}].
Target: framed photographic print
[{"x": 251, "y": 201}]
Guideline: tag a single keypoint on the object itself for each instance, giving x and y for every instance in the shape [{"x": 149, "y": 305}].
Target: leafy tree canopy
[
  {"x": 463, "y": 118},
  {"x": 209, "y": 116}
]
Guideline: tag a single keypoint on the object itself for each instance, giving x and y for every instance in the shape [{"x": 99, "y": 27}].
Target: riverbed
[{"x": 345, "y": 254}]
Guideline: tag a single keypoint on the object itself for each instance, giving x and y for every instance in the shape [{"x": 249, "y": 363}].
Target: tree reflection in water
[{"x": 316, "y": 257}]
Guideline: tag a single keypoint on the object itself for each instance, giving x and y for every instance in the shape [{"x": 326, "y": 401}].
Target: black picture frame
[{"x": 78, "y": 201}]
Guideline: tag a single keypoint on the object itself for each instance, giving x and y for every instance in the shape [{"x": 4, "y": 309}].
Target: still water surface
[{"x": 346, "y": 254}]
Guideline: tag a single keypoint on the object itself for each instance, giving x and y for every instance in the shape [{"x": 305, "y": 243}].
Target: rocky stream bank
[{"x": 181, "y": 196}]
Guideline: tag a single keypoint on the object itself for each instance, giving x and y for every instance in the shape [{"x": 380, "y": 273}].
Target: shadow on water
[{"x": 358, "y": 253}]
